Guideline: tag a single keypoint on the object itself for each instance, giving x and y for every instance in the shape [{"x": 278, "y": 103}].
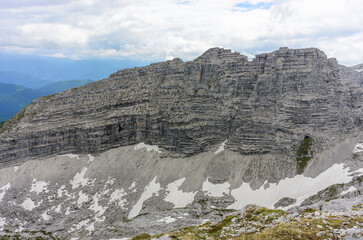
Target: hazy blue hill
[
  {"x": 22, "y": 79},
  {"x": 63, "y": 85},
  {"x": 14, "y": 97}
]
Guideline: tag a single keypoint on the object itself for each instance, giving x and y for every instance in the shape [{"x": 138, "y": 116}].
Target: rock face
[{"x": 265, "y": 106}]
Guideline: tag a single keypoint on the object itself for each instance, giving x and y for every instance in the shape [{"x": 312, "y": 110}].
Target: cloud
[{"x": 156, "y": 30}]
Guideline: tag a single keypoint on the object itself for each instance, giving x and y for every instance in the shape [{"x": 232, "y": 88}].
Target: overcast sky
[{"x": 155, "y": 30}]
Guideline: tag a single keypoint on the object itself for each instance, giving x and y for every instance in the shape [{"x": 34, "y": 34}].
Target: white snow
[
  {"x": 29, "y": 204},
  {"x": 358, "y": 148},
  {"x": 350, "y": 189},
  {"x": 110, "y": 181},
  {"x": 215, "y": 190},
  {"x": 133, "y": 185},
  {"x": 90, "y": 158},
  {"x": 359, "y": 70},
  {"x": 45, "y": 216},
  {"x": 221, "y": 147},
  {"x": 149, "y": 148},
  {"x": 205, "y": 221},
  {"x": 2, "y": 223},
  {"x": 58, "y": 208},
  {"x": 3, "y": 191},
  {"x": 117, "y": 195},
  {"x": 68, "y": 211},
  {"x": 98, "y": 209},
  {"x": 72, "y": 156},
  {"x": 16, "y": 169},
  {"x": 39, "y": 186},
  {"x": 298, "y": 187},
  {"x": 150, "y": 189},
  {"x": 60, "y": 191},
  {"x": 178, "y": 197},
  {"x": 82, "y": 198},
  {"x": 79, "y": 179},
  {"x": 167, "y": 220}
]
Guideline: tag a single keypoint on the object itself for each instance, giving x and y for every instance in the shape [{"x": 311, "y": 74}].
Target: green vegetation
[
  {"x": 261, "y": 223},
  {"x": 143, "y": 236},
  {"x": 304, "y": 154}
]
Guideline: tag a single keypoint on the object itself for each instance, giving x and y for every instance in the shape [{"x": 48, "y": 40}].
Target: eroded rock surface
[{"x": 267, "y": 105}]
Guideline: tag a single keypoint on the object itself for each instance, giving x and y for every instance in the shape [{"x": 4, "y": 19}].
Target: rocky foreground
[{"x": 252, "y": 222}]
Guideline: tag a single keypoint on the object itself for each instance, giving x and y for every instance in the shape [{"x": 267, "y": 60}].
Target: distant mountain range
[
  {"x": 14, "y": 97},
  {"x": 26, "y": 77}
]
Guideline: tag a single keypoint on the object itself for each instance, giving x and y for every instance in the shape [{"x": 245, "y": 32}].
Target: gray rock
[
  {"x": 284, "y": 202},
  {"x": 268, "y": 105}
]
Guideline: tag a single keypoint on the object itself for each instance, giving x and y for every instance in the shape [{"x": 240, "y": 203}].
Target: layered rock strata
[{"x": 268, "y": 105}]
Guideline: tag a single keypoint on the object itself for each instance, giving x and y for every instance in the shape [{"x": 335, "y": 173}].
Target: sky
[{"x": 159, "y": 30}]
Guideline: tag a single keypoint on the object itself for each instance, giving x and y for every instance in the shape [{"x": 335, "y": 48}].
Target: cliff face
[{"x": 268, "y": 105}]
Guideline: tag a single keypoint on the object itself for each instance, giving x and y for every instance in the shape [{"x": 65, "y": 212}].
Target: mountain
[
  {"x": 13, "y": 98},
  {"x": 23, "y": 80},
  {"x": 63, "y": 85},
  {"x": 174, "y": 144}
]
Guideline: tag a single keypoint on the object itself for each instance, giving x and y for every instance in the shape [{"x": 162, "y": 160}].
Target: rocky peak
[{"x": 220, "y": 55}]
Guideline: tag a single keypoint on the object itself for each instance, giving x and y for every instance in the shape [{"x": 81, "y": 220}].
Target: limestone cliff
[{"x": 268, "y": 105}]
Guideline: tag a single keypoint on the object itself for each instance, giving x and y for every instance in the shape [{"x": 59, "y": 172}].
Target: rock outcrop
[{"x": 268, "y": 105}]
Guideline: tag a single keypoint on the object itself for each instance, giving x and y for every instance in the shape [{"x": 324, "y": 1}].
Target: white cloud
[{"x": 158, "y": 29}]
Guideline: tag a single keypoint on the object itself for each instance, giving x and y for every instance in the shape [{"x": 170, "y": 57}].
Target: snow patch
[
  {"x": 3, "y": 191},
  {"x": 149, "y": 148},
  {"x": 45, "y": 216},
  {"x": 358, "y": 148},
  {"x": 90, "y": 158},
  {"x": 221, "y": 147},
  {"x": 82, "y": 198},
  {"x": 16, "y": 169},
  {"x": 359, "y": 70},
  {"x": 350, "y": 189},
  {"x": 110, "y": 181},
  {"x": 167, "y": 220},
  {"x": 2, "y": 223},
  {"x": 178, "y": 197},
  {"x": 97, "y": 209},
  {"x": 58, "y": 208},
  {"x": 39, "y": 186},
  {"x": 150, "y": 189},
  {"x": 80, "y": 180},
  {"x": 215, "y": 190},
  {"x": 288, "y": 188},
  {"x": 72, "y": 156},
  {"x": 133, "y": 185},
  {"x": 29, "y": 204},
  {"x": 60, "y": 191},
  {"x": 117, "y": 195}
]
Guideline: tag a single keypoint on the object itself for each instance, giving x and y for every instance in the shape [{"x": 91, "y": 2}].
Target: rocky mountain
[{"x": 183, "y": 140}]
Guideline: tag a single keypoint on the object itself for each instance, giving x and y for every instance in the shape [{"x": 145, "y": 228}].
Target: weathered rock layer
[{"x": 268, "y": 105}]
